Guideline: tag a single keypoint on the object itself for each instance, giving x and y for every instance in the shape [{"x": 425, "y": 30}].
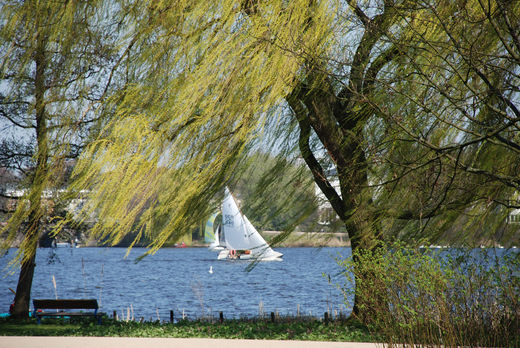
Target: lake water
[{"x": 179, "y": 280}]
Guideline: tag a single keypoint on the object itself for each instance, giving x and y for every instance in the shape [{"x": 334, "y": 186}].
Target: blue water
[{"x": 179, "y": 280}]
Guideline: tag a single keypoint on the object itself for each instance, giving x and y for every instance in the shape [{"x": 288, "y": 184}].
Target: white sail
[
  {"x": 240, "y": 234},
  {"x": 264, "y": 250},
  {"x": 218, "y": 244}
]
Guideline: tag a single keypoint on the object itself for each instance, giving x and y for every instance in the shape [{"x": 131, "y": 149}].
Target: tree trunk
[
  {"x": 30, "y": 243},
  {"x": 315, "y": 110},
  {"x": 22, "y": 298}
]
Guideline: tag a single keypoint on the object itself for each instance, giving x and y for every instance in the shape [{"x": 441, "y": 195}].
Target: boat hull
[{"x": 247, "y": 255}]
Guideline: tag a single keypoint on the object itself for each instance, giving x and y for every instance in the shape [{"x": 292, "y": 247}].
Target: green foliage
[
  {"x": 445, "y": 134},
  {"x": 53, "y": 55},
  {"x": 284, "y": 329},
  {"x": 181, "y": 129},
  {"x": 54, "y": 58},
  {"x": 450, "y": 298},
  {"x": 399, "y": 99},
  {"x": 277, "y": 193}
]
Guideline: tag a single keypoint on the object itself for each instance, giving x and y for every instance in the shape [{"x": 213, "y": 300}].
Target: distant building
[
  {"x": 8, "y": 183},
  {"x": 514, "y": 217},
  {"x": 514, "y": 214},
  {"x": 327, "y": 215}
]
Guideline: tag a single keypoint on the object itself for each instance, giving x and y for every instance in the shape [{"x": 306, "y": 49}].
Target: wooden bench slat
[
  {"x": 66, "y": 304},
  {"x": 67, "y": 314}
]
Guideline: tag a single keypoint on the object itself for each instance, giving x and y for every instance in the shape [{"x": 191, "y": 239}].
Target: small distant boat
[
  {"x": 181, "y": 245},
  {"x": 60, "y": 244},
  {"x": 241, "y": 239}
]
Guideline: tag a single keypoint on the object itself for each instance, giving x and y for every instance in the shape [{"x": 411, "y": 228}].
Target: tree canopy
[
  {"x": 413, "y": 104},
  {"x": 211, "y": 77},
  {"x": 449, "y": 106}
]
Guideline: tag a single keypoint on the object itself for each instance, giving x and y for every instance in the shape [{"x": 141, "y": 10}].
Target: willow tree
[
  {"x": 211, "y": 80},
  {"x": 52, "y": 54},
  {"x": 449, "y": 105},
  {"x": 211, "y": 77}
]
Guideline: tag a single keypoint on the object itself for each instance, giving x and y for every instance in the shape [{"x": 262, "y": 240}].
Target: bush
[{"x": 455, "y": 297}]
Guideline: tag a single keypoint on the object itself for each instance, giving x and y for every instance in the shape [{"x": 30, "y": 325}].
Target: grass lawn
[{"x": 284, "y": 329}]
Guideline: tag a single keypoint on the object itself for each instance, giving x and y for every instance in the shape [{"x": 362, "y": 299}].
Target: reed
[
  {"x": 55, "y": 286},
  {"x": 101, "y": 282},
  {"x": 198, "y": 290},
  {"x": 261, "y": 312},
  {"x": 415, "y": 297},
  {"x": 83, "y": 274}
]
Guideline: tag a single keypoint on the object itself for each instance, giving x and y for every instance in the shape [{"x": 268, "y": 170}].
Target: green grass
[{"x": 284, "y": 329}]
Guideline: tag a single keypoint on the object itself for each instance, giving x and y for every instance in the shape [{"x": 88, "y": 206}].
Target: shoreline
[
  {"x": 294, "y": 240},
  {"x": 310, "y": 239}
]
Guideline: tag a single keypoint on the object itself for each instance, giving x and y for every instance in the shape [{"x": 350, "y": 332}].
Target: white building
[{"x": 325, "y": 211}]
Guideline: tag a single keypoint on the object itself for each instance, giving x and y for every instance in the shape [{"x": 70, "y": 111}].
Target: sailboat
[
  {"x": 241, "y": 238},
  {"x": 212, "y": 235}
]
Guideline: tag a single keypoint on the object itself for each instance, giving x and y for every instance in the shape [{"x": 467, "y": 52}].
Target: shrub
[{"x": 453, "y": 297}]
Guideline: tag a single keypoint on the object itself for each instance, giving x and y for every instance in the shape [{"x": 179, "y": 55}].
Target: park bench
[{"x": 41, "y": 305}]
